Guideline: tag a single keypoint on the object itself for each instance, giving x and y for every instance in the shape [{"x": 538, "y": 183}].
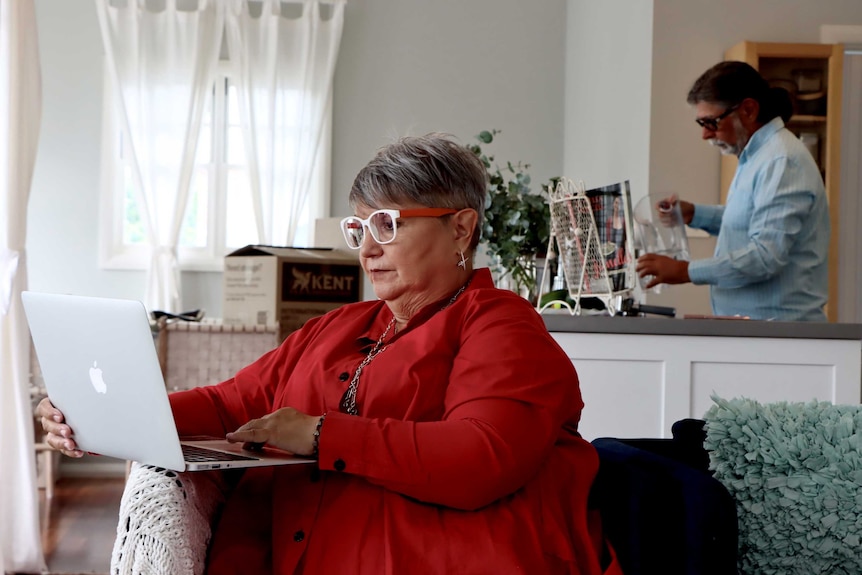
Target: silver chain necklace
[{"x": 348, "y": 402}]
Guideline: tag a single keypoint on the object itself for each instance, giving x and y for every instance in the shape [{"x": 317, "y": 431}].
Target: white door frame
[{"x": 850, "y": 222}]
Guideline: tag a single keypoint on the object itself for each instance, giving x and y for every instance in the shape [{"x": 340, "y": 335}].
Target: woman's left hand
[{"x": 286, "y": 429}]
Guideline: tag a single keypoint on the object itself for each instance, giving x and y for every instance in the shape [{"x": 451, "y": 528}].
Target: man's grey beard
[
  {"x": 742, "y": 138},
  {"x": 723, "y": 147}
]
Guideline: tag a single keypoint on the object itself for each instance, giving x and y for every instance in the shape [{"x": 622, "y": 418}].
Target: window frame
[{"x": 115, "y": 255}]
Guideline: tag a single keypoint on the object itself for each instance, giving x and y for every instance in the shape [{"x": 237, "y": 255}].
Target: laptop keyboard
[{"x": 197, "y": 454}]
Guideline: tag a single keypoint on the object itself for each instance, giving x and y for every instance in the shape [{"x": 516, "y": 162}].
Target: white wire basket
[{"x": 596, "y": 261}]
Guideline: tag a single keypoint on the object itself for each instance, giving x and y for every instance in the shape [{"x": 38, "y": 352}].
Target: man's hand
[
  {"x": 665, "y": 210},
  {"x": 664, "y": 270}
]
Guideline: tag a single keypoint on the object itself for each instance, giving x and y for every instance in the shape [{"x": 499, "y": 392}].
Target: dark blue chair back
[{"x": 661, "y": 508}]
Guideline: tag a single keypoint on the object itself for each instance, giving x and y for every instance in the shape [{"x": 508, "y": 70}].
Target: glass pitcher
[{"x": 660, "y": 229}]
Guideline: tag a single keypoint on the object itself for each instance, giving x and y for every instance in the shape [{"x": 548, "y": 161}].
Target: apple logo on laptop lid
[{"x": 97, "y": 380}]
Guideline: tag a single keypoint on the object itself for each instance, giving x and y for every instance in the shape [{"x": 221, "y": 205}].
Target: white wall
[
  {"x": 405, "y": 67},
  {"x": 62, "y": 220},
  {"x": 457, "y": 66},
  {"x": 608, "y": 63}
]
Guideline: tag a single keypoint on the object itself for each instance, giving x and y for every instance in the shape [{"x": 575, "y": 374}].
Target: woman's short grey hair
[{"x": 431, "y": 170}]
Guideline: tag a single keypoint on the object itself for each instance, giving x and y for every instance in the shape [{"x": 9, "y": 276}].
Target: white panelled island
[{"x": 639, "y": 375}]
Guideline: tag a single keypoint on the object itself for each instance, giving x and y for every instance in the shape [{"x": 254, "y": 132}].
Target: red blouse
[{"x": 465, "y": 456}]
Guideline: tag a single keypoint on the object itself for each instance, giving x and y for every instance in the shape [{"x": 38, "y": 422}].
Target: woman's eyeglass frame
[
  {"x": 353, "y": 224},
  {"x": 711, "y": 124}
]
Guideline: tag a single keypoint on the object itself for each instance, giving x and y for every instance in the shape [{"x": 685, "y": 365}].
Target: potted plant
[{"x": 517, "y": 221}]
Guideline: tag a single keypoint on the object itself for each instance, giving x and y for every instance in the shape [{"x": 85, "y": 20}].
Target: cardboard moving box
[{"x": 287, "y": 286}]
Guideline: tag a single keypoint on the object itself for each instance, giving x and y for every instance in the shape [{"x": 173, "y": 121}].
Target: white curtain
[
  {"x": 284, "y": 63},
  {"x": 20, "y": 117},
  {"x": 162, "y": 64}
]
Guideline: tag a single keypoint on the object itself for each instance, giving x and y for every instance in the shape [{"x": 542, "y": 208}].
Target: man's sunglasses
[{"x": 711, "y": 124}]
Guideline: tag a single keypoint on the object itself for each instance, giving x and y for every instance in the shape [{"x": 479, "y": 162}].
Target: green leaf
[{"x": 517, "y": 221}]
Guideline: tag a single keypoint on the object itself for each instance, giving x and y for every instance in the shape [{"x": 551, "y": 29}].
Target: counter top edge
[{"x": 701, "y": 327}]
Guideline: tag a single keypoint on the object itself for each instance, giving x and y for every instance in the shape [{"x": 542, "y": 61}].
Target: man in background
[{"x": 770, "y": 258}]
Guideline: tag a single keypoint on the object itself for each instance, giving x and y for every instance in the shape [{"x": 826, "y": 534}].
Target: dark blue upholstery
[{"x": 661, "y": 509}]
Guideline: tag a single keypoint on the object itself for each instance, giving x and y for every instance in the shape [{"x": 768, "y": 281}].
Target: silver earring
[{"x": 463, "y": 263}]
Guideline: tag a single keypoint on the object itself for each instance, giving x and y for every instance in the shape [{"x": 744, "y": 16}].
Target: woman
[{"x": 443, "y": 416}]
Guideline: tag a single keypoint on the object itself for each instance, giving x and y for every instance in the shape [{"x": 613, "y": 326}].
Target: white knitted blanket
[{"x": 165, "y": 522}]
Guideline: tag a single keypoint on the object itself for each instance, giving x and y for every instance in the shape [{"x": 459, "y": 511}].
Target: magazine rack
[{"x": 590, "y": 238}]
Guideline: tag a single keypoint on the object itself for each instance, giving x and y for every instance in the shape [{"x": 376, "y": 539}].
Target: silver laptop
[{"x": 101, "y": 370}]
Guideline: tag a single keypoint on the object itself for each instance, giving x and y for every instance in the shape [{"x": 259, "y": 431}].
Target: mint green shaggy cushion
[{"x": 795, "y": 470}]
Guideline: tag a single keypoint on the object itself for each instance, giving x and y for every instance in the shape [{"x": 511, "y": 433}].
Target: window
[{"x": 219, "y": 216}]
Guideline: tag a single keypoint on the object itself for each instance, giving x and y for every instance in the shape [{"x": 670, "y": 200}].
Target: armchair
[{"x": 165, "y": 520}]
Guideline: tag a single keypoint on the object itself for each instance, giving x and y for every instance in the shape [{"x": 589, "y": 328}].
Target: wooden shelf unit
[{"x": 779, "y": 61}]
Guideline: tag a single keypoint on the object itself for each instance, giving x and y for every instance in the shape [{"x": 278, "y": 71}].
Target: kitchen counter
[
  {"x": 639, "y": 375},
  {"x": 701, "y": 327}
]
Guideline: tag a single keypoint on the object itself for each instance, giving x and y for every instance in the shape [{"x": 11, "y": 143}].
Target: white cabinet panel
[
  {"x": 638, "y": 385},
  {"x": 623, "y": 397},
  {"x": 764, "y": 382}
]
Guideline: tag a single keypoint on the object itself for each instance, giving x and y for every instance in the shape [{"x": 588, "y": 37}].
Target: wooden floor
[{"x": 79, "y": 524}]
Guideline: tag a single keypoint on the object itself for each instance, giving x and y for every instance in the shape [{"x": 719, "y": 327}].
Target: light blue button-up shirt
[{"x": 770, "y": 259}]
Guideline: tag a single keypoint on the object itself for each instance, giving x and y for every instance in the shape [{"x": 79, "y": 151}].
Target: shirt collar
[{"x": 759, "y": 138}]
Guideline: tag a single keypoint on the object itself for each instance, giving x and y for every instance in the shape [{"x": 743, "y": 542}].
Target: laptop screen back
[{"x": 101, "y": 369}]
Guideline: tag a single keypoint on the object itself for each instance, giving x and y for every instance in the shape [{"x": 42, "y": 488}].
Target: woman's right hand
[{"x": 58, "y": 435}]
